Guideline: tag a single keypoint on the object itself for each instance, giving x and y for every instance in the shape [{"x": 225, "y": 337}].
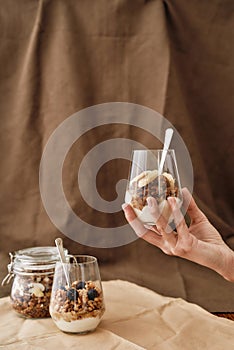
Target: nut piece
[
  {"x": 149, "y": 177},
  {"x": 139, "y": 177},
  {"x": 170, "y": 179},
  {"x": 37, "y": 292},
  {"x": 37, "y": 289}
]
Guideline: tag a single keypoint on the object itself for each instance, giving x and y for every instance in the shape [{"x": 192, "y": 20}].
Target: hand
[{"x": 200, "y": 242}]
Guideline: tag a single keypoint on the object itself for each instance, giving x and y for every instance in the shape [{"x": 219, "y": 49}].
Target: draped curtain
[{"x": 60, "y": 56}]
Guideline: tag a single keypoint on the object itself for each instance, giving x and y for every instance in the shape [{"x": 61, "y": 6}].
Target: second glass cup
[
  {"x": 77, "y": 304},
  {"x": 146, "y": 180}
]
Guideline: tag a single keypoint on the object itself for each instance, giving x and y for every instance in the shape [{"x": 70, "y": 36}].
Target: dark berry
[
  {"x": 92, "y": 293},
  {"x": 80, "y": 285},
  {"x": 72, "y": 294},
  {"x": 62, "y": 288}
]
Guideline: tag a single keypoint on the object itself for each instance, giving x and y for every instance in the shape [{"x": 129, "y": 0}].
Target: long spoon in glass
[
  {"x": 167, "y": 142},
  {"x": 59, "y": 245}
]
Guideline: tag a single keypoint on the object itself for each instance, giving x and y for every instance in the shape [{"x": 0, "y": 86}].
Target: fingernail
[
  {"x": 186, "y": 189},
  {"x": 124, "y": 205},
  {"x": 150, "y": 202},
  {"x": 172, "y": 201}
]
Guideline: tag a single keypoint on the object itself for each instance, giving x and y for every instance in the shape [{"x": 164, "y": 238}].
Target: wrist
[{"x": 228, "y": 268}]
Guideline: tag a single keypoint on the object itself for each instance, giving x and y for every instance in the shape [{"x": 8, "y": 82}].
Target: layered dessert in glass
[
  {"x": 145, "y": 181},
  {"x": 77, "y": 309}
]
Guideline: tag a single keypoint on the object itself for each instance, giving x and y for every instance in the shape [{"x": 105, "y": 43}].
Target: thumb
[{"x": 194, "y": 212}]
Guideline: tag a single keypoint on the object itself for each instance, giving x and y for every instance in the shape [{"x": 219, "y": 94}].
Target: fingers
[
  {"x": 194, "y": 212},
  {"x": 139, "y": 228},
  {"x": 186, "y": 197},
  {"x": 160, "y": 221},
  {"x": 132, "y": 219},
  {"x": 185, "y": 241},
  {"x": 181, "y": 244},
  {"x": 129, "y": 212},
  {"x": 163, "y": 237},
  {"x": 178, "y": 216}
]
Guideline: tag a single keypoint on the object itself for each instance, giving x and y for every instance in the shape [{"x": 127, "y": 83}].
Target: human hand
[{"x": 200, "y": 242}]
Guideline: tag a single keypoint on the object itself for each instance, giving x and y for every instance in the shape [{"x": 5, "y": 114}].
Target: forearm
[
  {"x": 219, "y": 258},
  {"x": 223, "y": 263}
]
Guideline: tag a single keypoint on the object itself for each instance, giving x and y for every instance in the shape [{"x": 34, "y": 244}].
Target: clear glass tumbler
[
  {"x": 147, "y": 179},
  {"x": 77, "y": 304}
]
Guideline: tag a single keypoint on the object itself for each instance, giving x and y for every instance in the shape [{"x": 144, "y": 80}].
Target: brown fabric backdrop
[{"x": 174, "y": 56}]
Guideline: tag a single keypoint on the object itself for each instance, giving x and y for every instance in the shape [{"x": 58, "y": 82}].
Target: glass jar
[{"x": 33, "y": 272}]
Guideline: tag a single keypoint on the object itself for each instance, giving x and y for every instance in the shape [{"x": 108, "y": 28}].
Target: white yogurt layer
[
  {"x": 78, "y": 326},
  {"x": 146, "y": 217}
]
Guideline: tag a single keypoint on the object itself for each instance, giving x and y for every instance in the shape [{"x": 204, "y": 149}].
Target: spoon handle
[
  {"x": 167, "y": 141},
  {"x": 59, "y": 245}
]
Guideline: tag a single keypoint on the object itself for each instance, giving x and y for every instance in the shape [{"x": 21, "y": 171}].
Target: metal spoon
[
  {"x": 167, "y": 141},
  {"x": 59, "y": 245}
]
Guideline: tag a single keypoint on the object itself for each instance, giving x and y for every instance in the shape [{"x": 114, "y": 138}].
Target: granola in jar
[{"x": 32, "y": 270}]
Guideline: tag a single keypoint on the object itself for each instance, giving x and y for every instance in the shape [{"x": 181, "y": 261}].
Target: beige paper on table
[{"x": 135, "y": 318}]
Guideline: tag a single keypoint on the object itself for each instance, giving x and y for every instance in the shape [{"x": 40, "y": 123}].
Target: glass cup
[
  {"x": 76, "y": 304},
  {"x": 146, "y": 181}
]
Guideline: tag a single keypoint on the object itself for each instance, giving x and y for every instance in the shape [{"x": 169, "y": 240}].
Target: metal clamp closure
[{"x": 10, "y": 274}]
